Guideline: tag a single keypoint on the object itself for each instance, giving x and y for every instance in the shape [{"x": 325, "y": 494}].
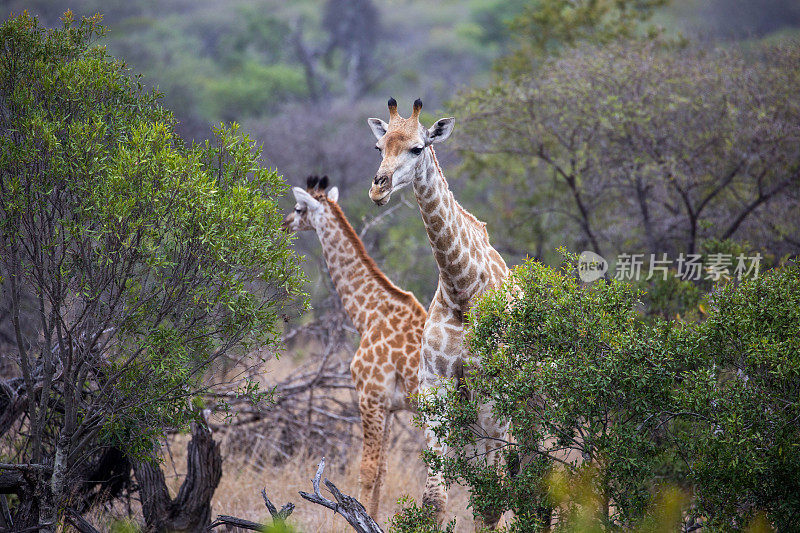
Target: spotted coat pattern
[{"x": 385, "y": 366}]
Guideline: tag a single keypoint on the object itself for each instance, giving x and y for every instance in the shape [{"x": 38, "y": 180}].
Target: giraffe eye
[
  {"x": 378, "y": 148},
  {"x": 416, "y": 151}
]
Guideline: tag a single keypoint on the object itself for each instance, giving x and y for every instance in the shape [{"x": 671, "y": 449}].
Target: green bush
[
  {"x": 415, "y": 519},
  {"x": 740, "y": 400},
  {"x": 642, "y": 407},
  {"x": 573, "y": 365}
]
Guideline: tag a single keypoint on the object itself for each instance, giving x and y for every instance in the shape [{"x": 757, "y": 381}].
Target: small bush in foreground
[{"x": 709, "y": 408}]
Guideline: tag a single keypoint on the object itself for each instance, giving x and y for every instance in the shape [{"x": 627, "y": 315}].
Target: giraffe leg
[
  {"x": 382, "y": 465},
  {"x": 490, "y": 449},
  {"x": 373, "y": 422},
  {"x": 435, "y": 493}
]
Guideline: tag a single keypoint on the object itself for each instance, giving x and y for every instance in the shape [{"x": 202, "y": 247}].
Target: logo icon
[{"x": 591, "y": 266}]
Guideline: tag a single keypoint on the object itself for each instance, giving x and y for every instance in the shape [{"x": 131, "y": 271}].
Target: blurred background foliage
[{"x": 303, "y": 76}]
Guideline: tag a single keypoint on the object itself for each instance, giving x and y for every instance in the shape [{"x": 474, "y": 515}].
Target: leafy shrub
[
  {"x": 740, "y": 399},
  {"x": 641, "y": 407},
  {"x": 415, "y": 519},
  {"x": 571, "y": 366},
  {"x": 148, "y": 260}
]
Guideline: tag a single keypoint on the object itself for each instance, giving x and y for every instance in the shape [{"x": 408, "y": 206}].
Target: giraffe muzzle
[{"x": 380, "y": 191}]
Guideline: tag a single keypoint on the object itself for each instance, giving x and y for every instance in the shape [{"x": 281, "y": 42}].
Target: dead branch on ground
[
  {"x": 277, "y": 516},
  {"x": 347, "y": 506}
]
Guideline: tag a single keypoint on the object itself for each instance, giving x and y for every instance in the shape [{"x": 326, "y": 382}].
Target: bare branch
[
  {"x": 285, "y": 511},
  {"x": 224, "y": 519},
  {"x": 277, "y": 516},
  {"x": 26, "y": 467},
  {"x": 347, "y": 506},
  {"x": 78, "y": 522}
]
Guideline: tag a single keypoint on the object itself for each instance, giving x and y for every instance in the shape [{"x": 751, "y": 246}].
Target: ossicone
[
  {"x": 417, "y": 107},
  {"x": 392, "y": 108}
]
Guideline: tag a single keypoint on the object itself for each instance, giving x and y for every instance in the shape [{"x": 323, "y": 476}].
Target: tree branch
[
  {"x": 347, "y": 506},
  {"x": 762, "y": 198}
]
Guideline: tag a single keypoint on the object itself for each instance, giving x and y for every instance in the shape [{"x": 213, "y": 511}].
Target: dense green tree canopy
[
  {"x": 132, "y": 261},
  {"x": 545, "y": 27}
]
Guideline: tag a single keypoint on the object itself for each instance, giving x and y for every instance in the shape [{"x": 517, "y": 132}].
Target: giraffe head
[
  {"x": 310, "y": 211},
  {"x": 402, "y": 142}
]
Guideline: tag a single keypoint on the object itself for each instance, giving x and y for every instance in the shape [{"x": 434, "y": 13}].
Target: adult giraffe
[
  {"x": 468, "y": 266},
  {"x": 390, "y": 321}
]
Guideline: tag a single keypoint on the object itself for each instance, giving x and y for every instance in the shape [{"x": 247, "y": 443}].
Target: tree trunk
[
  {"x": 644, "y": 210},
  {"x": 52, "y": 492},
  {"x": 190, "y": 511}
]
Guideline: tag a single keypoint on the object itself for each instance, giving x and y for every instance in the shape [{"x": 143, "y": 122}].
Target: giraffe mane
[
  {"x": 469, "y": 216},
  {"x": 372, "y": 267}
]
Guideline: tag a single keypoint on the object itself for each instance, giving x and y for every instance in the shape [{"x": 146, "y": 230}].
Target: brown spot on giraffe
[{"x": 385, "y": 374}]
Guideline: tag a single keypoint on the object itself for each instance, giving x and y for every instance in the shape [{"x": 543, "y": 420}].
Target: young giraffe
[
  {"x": 468, "y": 266},
  {"x": 390, "y": 321}
]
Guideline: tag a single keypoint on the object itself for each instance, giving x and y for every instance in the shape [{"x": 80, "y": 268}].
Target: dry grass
[
  {"x": 244, "y": 475},
  {"x": 248, "y": 469},
  {"x": 239, "y": 491}
]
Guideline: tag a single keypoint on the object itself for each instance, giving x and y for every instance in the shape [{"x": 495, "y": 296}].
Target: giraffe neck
[
  {"x": 359, "y": 283},
  {"x": 459, "y": 241}
]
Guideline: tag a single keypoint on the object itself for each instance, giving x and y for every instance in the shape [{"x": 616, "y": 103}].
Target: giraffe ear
[
  {"x": 333, "y": 194},
  {"x": 378, "y": 127},
  {"x": 441, "y": 130},
  {"x": 303, "y": 198}
]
